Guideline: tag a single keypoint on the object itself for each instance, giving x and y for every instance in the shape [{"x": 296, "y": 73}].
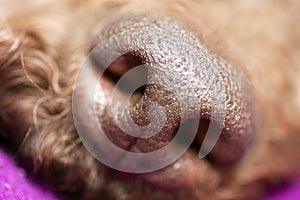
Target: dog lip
[
  {"x": 182, "y": 176},
  {"x": 172, "y": 178}
]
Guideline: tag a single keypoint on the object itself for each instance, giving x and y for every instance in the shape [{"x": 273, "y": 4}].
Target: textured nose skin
[{"x": 185, "y": 79}]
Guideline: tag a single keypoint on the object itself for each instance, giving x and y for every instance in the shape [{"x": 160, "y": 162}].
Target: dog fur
[{"x": 43, "y": 43}]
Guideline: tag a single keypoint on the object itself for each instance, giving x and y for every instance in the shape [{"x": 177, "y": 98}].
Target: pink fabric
[
  {"x": 290, "y": 192},
  {"x": 15, "y": 186}
]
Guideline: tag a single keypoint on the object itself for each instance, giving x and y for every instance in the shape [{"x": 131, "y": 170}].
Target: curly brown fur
[{"x": 43, "y": 44}]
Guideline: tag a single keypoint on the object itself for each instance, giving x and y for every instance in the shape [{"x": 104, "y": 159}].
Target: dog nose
[{"x": 183, "y": 81}]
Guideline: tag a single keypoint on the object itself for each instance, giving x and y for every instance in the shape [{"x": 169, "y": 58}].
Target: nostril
[
  {"x": 202, "y": 130},
  {"x": 123, "y": 79},
  {"x": 119, "y": 66}
]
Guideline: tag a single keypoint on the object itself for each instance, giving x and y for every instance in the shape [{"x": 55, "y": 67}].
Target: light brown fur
[{"x": 43, "y": 44}]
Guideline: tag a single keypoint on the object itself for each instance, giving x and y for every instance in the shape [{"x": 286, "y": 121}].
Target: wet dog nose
[{"x": 183, "y": 82}]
